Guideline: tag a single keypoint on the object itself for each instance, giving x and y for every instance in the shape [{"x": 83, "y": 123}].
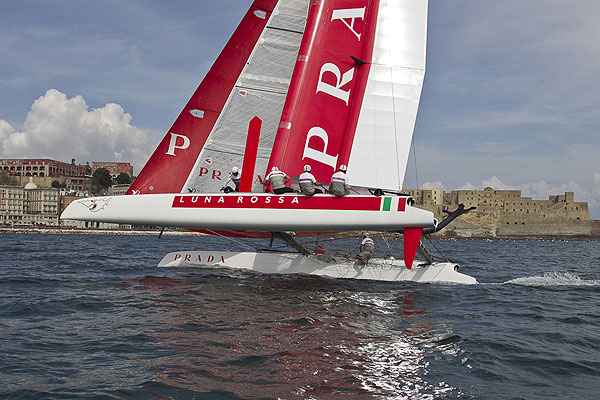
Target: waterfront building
[
  {"x": 41, "y": 167},
  {"x": 115, "y": 168},
  {"x": 118, "y": 190},
  {"x": 11, "y": 205},
  {"x": 29, "y": 205},
  {"x": 45, "y": 172}
]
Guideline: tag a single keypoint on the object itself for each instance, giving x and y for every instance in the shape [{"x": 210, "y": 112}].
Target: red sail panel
[
  {"x": 361, "y": 83},
  {"x": 324, "y": 87},
  {"x": 250, "y": 155},
  {"x": 169, "y": 166}
]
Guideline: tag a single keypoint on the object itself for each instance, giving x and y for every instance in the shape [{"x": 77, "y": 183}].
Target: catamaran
[{"x": 323, "y": 83}]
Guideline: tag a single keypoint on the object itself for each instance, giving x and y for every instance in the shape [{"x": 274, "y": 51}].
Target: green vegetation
[
  {"x": 101, "y": 180},
  {"x": 58, "y": 185},
  {"x": 123, "y": 179}
]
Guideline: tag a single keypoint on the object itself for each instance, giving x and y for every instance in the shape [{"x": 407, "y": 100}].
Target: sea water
[{"x": 92, "y": 317}]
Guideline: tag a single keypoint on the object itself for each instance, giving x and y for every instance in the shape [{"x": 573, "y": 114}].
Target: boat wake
[{"x": 554, "y": 278}]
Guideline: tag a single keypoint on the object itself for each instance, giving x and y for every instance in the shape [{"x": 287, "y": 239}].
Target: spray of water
[{"x": 554, "y": 278}]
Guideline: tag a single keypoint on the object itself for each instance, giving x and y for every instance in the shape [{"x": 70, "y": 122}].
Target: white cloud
[
  {"x": 468, "y": 186},
  {"x": 5, "y": 130},
  {"x": 434, "y": 185},
  {"x": 63, "y": 128}
]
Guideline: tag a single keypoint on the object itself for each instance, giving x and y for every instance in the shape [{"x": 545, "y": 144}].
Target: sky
[{"x": 511, "y": 97}]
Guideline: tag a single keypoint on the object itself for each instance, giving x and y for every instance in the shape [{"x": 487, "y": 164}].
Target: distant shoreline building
[
  {"x": 30, "y": 194},
  {"x": 41, "y": 167},
  {"x": 508, "y": 206},
  {"x": 29, "y": 205},
  {"x": 115, "y": 168},
  {"x": 506, "y": 214},
  {"x": 45, "y": 171}
]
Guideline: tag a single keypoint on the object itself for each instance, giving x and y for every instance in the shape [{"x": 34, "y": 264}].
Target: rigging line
[
  {"x": 387, "y": 244},
  {"x": 232, "y": 153},
  {"x": 438, "y": 250},
  {"x": 285, "y": 30},
  {"x": 232, "y": 239},
  {"x": 395, "y": 126},
  {"x": 415, "y": 158}
]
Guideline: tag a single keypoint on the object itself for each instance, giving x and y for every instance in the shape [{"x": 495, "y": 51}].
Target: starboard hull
[
  {"x": 334, "y": 267},
  {"x": 254, "y": 212}
]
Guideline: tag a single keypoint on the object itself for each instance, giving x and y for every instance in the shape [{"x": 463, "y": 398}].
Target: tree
[
  {"x": 123, "y": 178},
  {"x": 57, "y": 184},
  {"x": 101, "y": 179}
]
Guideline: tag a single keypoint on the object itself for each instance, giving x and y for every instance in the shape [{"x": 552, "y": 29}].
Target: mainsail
[
  {"x": 333, "y": 81},
  {"x": 249, "y": 78}
]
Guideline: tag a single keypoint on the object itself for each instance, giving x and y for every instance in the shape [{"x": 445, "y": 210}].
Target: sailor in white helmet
[
  {"x": 307, "y": 182},
  {"x": 339, "y": 183},
  {"x": 366, "y": 248},
  {"x": 234, "y": 176},
  {"x": 278, "y": 179}
]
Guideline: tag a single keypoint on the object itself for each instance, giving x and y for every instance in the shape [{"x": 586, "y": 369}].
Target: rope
[
  {"x": 239, "y": 242},
  {"x": 387, "y": 244},
  {"x": 415, "y": 158},
  {"x": 438, "y": 250}
]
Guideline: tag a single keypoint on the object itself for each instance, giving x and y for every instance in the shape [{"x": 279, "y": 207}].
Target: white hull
[
  {"x": 338, "y": 267},
  {"x": 254, "y": 212}
]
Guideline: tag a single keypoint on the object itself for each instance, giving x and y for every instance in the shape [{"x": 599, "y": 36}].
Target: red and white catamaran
[{"x": 317, "y": 82}]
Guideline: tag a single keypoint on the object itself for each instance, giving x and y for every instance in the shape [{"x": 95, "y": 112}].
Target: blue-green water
[{"x": 92, "y": 317}]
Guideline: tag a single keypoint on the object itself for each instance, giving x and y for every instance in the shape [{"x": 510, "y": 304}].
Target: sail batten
[
  {"x": 259, "y": 91},
  {"x": 249, "y": 78}
]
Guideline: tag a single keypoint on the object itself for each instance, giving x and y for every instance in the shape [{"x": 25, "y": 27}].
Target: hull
[
  {"x": 254, "y": 212},
  {"x": 335, "y": 267}
]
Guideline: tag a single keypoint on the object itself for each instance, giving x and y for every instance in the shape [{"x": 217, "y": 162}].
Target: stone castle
[{"x": 505, "y": 213}]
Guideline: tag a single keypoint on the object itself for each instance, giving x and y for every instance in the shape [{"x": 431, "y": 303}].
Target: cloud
[
  {"x": 5, "y": 130},
  {"x": 434, "y": 185},
  {"x": 63, "y": 128}
]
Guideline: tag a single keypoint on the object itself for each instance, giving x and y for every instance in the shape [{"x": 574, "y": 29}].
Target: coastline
[
  {"x": 55, "y": 230},
  {"x": 168, "y": 232}
]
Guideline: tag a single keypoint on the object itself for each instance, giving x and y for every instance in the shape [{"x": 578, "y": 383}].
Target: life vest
[{"x": 307, "y": 181}]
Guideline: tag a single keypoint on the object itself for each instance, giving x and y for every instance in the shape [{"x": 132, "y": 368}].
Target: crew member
[
  {"x": 308, "y": 182},
  {"x": 339, "y": 183},
  {"x": 366, "y": 248},
  {"x": 234, "y": 177},
  {"x": 278, "y": 179}
]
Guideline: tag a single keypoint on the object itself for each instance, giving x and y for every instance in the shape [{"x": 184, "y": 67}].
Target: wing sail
[
  {"x": 355, "y": 91},
  {"x": 249, "y": 78}
]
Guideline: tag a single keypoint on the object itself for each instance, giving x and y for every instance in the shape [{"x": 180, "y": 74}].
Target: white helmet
[
  {"x": 343, "y": 167},
  {"x": 307, "y": 168},
  {"x": 274, "y": 169},
  {"x": 366, "y": 234},
  {"x": 234, "y": 170}
]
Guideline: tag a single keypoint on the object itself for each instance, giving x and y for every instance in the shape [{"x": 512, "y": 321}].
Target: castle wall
[{"x": 505, "y": 213}]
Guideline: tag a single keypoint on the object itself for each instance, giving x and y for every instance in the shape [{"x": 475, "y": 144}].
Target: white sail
[{"x": 387, "y": 117}]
